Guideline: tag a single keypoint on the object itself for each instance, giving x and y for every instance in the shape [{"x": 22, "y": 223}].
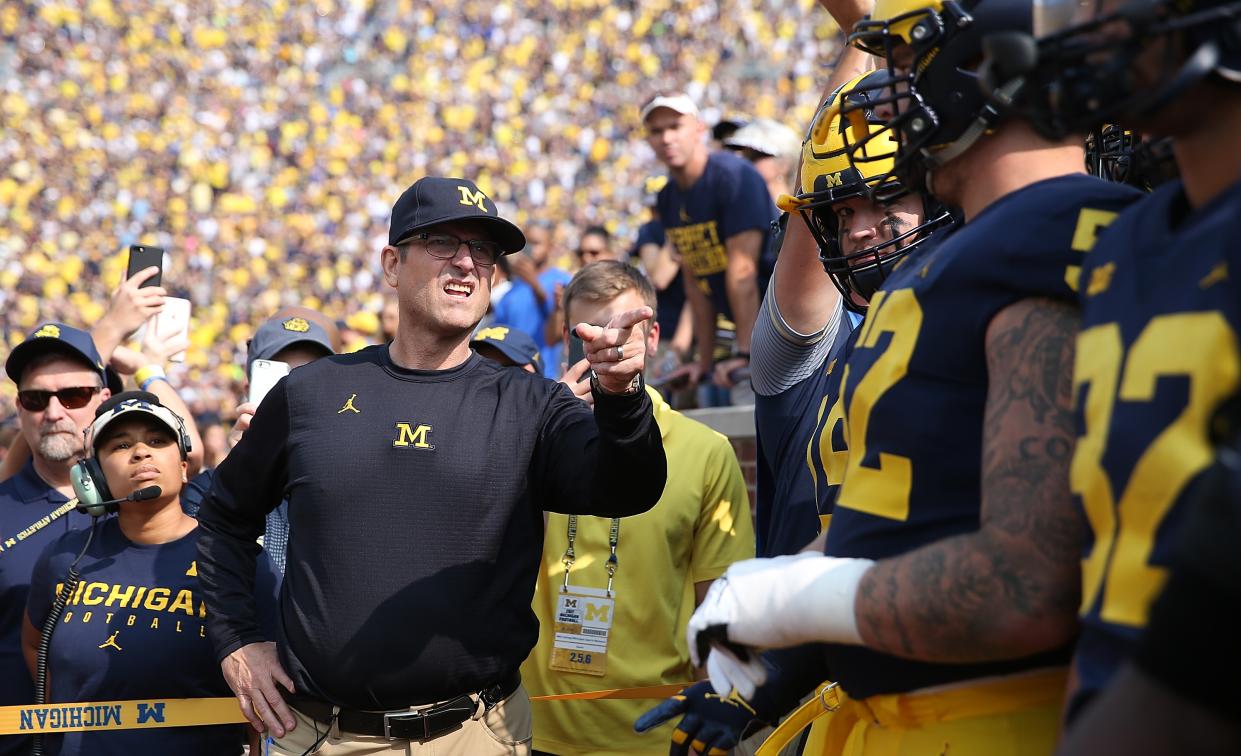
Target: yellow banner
[
  {"x": 119, "y": 715},
  {"x": 191, "y": 712}
]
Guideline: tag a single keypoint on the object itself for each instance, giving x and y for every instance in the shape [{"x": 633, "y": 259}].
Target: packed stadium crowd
[
  {"x": 348, "y": 343},
  {"x": 262, "y": 143}
]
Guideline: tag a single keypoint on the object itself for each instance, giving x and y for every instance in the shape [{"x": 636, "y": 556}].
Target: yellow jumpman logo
[
  {"x": 349, "y": 406},
  {"x": 111, "y": 641}
]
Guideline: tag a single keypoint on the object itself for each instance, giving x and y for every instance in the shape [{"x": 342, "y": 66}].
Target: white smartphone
[
  {"x": 264, "y": 374},
  {"x": 173, "y": 322}
]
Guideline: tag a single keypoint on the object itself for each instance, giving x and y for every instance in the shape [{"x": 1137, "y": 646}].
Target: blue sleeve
[
  {"x": 745, "y": 203},
  {"x": 549, "y": 281},
  {"x": 193, "y": 492},
  {"x": 501, "y": 310},
  {"x": 650, "y": 233}
]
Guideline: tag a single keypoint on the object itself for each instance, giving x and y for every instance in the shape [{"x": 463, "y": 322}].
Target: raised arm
[{"x": 610, "y": 463}]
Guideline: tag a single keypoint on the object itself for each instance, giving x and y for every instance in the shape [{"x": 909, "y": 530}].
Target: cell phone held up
[
  {"x": 576, "y": 353},
  {"x": 264, "y": 375},
  {"x": 142, "y": 257}
]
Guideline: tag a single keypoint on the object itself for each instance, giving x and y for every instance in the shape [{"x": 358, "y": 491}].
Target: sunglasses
[{"x": 36, "y": 400}]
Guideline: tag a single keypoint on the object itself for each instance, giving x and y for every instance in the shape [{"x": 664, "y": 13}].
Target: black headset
[{"x": 87, "y": 478}]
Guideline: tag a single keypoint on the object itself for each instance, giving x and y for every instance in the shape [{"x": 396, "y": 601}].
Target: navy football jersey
[
  {"x": 792, "y": 494},
  {"x": 915, "y": 391},
  {"x": 728, "y": 198},
  {"x": 1156, "y": 356}
]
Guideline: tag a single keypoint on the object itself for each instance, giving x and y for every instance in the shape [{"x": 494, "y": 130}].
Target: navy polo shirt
[{"x": 27, "y": 504}]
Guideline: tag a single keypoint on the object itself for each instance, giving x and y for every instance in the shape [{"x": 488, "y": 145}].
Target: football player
[
  {"x": 1157, "y": 354},
  {"x": 949, "y": 581},
  {"x": 838, "y": 228}
]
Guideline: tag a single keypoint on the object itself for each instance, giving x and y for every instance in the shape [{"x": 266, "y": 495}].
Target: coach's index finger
[
  {"x": 627, "y": 319},
  {"x": 631, "y": 318}
]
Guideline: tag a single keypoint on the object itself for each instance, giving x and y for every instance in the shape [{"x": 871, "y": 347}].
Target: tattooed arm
[{"x": 1010, "y": 589}]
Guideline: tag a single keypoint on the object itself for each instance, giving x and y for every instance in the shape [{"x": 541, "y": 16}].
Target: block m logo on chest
[{"x": 411, "y": 435}]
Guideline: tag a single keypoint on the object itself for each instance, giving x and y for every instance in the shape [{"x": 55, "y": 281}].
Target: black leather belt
[{"x": 404, "y": 724}]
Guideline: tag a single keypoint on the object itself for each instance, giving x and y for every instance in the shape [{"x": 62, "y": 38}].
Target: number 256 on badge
[{"x": 583, "y": 623}]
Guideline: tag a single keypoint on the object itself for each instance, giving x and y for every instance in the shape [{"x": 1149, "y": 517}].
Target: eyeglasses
[
  {"x": 444, "y": 247},
  {"x": 36, "y": 400}
]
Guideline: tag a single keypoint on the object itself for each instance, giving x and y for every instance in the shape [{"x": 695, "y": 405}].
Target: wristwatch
[{"x": 635, "y": 386}]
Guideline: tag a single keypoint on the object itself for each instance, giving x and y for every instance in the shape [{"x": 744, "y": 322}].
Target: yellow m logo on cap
[
  {"x": 495, "y": 333},
  {"x": 472, "y": 198},
  {"x": 834, "y": 179},
  {"x": 48, "y": 330}
]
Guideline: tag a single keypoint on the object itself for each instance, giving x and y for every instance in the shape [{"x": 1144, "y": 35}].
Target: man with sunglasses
[
  {"x": 60, "y": 380},
  {"x": 416, "y": 475}
]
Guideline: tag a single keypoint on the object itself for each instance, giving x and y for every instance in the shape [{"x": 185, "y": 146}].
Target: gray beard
[{"x": 59, "y": 447}]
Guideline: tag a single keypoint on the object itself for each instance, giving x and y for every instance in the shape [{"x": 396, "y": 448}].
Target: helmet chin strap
[{"x": 1001, "y": 100}]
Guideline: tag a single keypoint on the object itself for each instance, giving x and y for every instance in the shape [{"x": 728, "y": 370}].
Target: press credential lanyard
[{"x": 584, "y": 615}]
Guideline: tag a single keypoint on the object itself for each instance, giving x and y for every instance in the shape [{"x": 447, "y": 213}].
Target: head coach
[{"x": 416, "y": 474}]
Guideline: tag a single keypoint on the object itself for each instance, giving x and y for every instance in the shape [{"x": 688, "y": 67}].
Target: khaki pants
[{"x": 505, "y": 730}]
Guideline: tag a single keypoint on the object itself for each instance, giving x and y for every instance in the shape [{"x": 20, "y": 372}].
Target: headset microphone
[{"x": 97, "y": 508}]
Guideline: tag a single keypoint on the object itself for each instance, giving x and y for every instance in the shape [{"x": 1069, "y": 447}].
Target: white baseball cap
[
  {"x": 766, "y": 136},
  {"x": 677, "y": 102}
]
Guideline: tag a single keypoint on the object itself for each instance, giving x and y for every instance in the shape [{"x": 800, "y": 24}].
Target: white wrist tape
[{"x": 804, "y": 600}]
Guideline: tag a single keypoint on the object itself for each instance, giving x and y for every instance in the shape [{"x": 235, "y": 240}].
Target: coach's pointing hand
[{"x": 617, "y": 351}]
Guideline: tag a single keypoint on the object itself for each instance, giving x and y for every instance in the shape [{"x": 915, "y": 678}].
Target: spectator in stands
[
  {"x": 725, "y": 128},
  {"x": 389, "y": 316},
  {"x": 509, "y": 347},
  {"x": 662, "y": 266},
  {"x": 265, "y": 169},
  {"x": 773, "y": 148},
  {"x": 644, "y": 574},
  {"x": 531, "y": 300},
  {"x": 717, "y": 213},
  {"x": 595, "y": 245},
  {"x": 131, "y": 648}
]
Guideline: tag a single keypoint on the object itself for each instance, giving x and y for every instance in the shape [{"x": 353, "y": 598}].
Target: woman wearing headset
[{"x": 135, "y": 625}]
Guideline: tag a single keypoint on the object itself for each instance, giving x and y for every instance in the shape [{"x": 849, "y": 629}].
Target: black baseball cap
[
  {"x": 433, "y": 200},
  {"x": 279, "y": 333},
  {"x": 58, "y": 337},
  {"x": 512, "y": 343}
]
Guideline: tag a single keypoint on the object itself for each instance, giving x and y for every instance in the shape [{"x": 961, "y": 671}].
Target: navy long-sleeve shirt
[{"x": 415, "y": 502}]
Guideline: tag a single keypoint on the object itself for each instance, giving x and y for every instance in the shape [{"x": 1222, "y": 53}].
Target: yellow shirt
[{"x": 700, "y": 526}]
